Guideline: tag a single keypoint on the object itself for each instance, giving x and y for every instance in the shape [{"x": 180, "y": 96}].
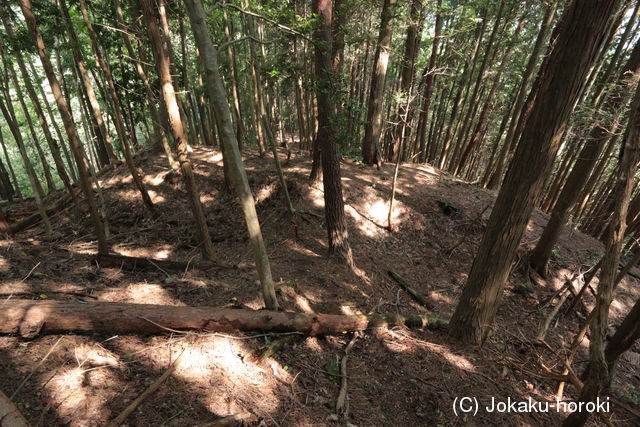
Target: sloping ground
[{"x": 395, "y": 377}]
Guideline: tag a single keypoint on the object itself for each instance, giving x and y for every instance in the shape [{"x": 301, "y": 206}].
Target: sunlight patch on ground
[
  {"x": 148, "y": 293},
  {"x": 217, "y": 157},
  {"x": 94, "y": 355},
  {"x": 158, "y": 252},
  {"x": 367, "y": 228},
  {"x": 345, "y": 309},
  {"x": 156, "y": 197},
  {"x": 313, "y": 344},
  {"x": 438, "y": 296},
  {"x": 264, "y": 193},
  {"x": 317, "y": 197},
  {"x": 82, "y": 395},
  {"x": 130, "y": 195},
  {"x": 233, "y": 383},
  {"x": 303, "y": 304}
]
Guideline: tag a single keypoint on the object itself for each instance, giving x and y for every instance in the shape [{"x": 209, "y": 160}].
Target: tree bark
[
  {"x": 580, "y": 34},
  {"x": 32, "y": 318},
  {"x": 334, "y": 204},
  {"x": 218, "y": 98},
  {"x": 171, "y": 103},
  {"x": 617, "y": 98},
  {"x": 428, "y": 152},
  {"x": 117, "y": 110},
  {"x": 156, "y": 117},
  {"x": 374, "y": 122},
  {"x": 88, "y": 86},
  {"x": 598, "y": 371},
  {"x": 493, "y": 177},
  {"x": 70, "y": 127},
  {"x": 35, "y": 102},
  {"x": 9, "y": 116},
  {"x": 411, "y": 48}
]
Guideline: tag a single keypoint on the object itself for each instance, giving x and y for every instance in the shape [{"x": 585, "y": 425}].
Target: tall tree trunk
[
  {"x": 484, "y": 114},
  {"x": 617, "y": 98},
  {"x": 164, "y": 72},
  {"x": 333, "y": 202},
  {"x": 34, "y": 136},
  {"x": 35, "y": 102},
  {"x": 625, "y": 336},
  {"x": 493, "y": 177},
  {"x": 580, "y": 34},
  {"x": 233, "y": 66},
  {"x": 218, "y": 99},
  {"x": 411, "y": 47},
  {"x": 463, "y": 89},
  {"x": 88, "y": 86},
  {"x": 429, "y": 82},
  {"x": 9, "y": 116},
  {"x": 52, "y": 120},
  {"x": 477, "y": 93},
  {"x": 117, "y": 110},
  {"x": 156, "y": 118},
  {"x": 374, "y": 123},
  {"x": 16, "y": 185},
  {"x": 65, "y": 113},
  {"x": 598, "y": 372}
]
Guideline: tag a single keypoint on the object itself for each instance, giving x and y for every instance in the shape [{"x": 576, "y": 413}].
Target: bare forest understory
[{"x": 394, "y": 376}]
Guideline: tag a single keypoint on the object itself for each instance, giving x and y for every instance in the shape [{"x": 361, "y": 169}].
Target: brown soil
[{"x": 395, "y": 377}]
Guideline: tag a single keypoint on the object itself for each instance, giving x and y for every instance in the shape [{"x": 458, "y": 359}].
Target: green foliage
[
  {"x": 292, "y": 282},
  {"x": 332, "y": 369},
  {"x": 631, "y": 395}
]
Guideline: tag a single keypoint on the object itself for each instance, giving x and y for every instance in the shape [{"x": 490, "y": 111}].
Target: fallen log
[
  {"x": 128, "y": 263},
  {"x": 31, "y": 318},
  {"x": 34, "y": 218}
]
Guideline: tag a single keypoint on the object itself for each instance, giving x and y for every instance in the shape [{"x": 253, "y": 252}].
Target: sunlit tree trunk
[
  {"x": 164, "y": 72},
  {"x": 411, "y": 46},
  {"x": 69, "y": 125},
  {"x": 35, "y": 102},
  {"x": 493, "y": 176},
  {"x": 88, "y": 86},
  {"x": 117, "y": 110},
  {"x": 218, "y": 98},
  {"x": 234, "y": 82},
  {"x": 9, "y": 116},
  {"x": 151, "y": 99}
]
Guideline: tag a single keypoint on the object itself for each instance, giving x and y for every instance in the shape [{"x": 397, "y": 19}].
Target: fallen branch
[
  {"x": 10, "y": 415},
  {"x": 148, "y": 392},
  {"x": 342, "y": 404},
  {"x": 30, "y": 318},
  {"x": 568, "y": 285},
  {"x": 415, "y": 294}
]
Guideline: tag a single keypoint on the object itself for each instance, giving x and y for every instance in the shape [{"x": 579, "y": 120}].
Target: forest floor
[{"x": 395, "y": 377}]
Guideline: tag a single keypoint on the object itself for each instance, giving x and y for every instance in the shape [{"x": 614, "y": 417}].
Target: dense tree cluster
[{"x": 538, "y": 100}]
